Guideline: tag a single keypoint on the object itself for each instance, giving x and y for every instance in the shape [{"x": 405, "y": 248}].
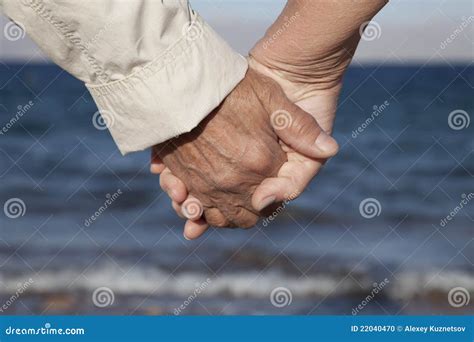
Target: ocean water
[{"x": 371, "y": 230}]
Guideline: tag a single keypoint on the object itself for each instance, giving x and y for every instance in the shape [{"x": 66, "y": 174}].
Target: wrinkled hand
[
  {"x": 318, "y": 99},
  {"x": 225, "y": 158}
]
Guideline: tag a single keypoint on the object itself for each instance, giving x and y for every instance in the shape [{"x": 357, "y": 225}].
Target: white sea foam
[
  {"x": 156, "y": 282},
  {"x": 412, "y": 284}
]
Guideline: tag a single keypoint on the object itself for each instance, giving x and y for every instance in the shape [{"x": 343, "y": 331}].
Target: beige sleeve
[{"x": 154, "y": 68}]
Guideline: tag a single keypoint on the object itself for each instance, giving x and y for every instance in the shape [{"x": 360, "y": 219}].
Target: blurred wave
[{"x": 329, "y": 255}]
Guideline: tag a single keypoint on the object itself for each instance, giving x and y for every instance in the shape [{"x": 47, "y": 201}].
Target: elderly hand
[
  {"x": 224, "y": 159},
  {"x": 307, "y": 59}
]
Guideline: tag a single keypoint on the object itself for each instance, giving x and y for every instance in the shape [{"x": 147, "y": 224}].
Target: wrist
[
  {"x": 321, "y": 72},
  {"x": 320, "y": 103},
  {"x": 297, "y": 86}
]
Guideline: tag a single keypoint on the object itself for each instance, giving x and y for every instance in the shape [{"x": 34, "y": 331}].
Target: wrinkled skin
[{"x": 231, "y": 152}]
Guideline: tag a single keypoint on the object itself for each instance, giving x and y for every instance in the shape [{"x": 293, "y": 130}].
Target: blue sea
[{"x": 393, "y": 211}]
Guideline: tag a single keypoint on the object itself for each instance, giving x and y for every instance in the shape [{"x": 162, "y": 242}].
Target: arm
[
  {"x": 312, "y": 42},
  {"x": 154, "y": 68},
  {"x": 306, "y": 51}
]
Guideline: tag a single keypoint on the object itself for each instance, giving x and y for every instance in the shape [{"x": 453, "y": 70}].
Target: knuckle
[
  {"x": 215, "y": 218},
  {"x": 243, "y": 218},
  {"x": 264, "y": 162},
  {"x": 218, "y": 223}
]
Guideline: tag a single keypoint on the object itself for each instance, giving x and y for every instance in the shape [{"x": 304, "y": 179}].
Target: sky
[{"x": 407, "y": 31}]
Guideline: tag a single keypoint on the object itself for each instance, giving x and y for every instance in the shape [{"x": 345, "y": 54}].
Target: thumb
[{"x": 301, "y": 132}]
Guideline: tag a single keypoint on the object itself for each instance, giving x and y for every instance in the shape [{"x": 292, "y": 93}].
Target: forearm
[
  {"x": 313, "y": 41},
  {"x": 154, "y": 67}
]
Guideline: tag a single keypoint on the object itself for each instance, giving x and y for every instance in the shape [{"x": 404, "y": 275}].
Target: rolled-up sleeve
[{"x": 154, "y": 68}]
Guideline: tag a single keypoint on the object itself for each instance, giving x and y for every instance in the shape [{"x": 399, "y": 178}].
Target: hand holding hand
[{"x": 229, "y": 154}]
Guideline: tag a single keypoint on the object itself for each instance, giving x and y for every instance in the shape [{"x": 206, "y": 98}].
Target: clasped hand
[{"x": 242, "y": 159}]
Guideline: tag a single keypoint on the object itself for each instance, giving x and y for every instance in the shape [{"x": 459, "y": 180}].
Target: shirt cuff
[{"x": 172, "y": 94}]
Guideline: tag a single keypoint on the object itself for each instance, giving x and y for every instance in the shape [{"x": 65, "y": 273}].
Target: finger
[
  {"x": 243, "y": 218},
  {"x": 194, "y": 229},
  {"x": 301, "y": 132},
  {"x": 291, "y": 180},
  {"x": 215, "y": 218},
  {"x": 192, "y": 208},
  {"x": 177, "y": 208},
  {"x": 173, "y": 186},
  {"x": 156, "y": 165}
]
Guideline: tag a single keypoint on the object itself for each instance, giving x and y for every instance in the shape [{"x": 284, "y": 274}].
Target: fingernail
[
  {"x": 266, "y": 202},
  {"x": 326, "y": 143},
  {"x": 186, "y": 237}
]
